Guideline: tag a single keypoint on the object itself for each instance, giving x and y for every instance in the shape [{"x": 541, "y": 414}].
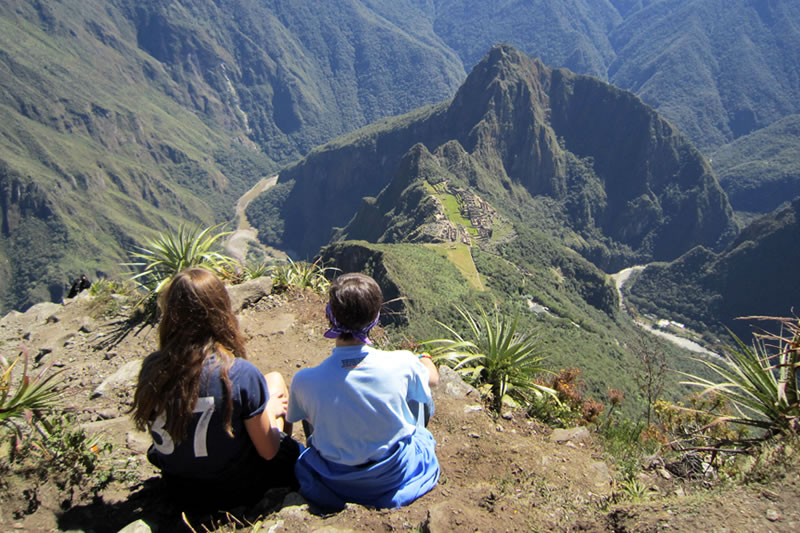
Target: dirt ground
[{"x": 499, "y": 473}]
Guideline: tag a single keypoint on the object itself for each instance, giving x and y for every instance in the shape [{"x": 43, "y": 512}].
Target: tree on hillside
[{"x": 651, "y": 371}]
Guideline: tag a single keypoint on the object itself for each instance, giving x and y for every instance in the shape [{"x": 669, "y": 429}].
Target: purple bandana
[{"x": 338, "y": 330}]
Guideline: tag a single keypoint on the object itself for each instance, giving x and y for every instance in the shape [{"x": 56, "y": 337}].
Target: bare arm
[
  {"x": 433, "y": 372},
  {"x": 263, "y": 428}
]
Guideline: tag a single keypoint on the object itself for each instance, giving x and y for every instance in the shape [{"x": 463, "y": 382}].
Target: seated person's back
[
  {"x": 367, "y": 446},
  {"x": 216, "y": 421}
]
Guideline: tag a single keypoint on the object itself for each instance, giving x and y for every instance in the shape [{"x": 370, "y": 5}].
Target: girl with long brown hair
[{"x": 219, "y": 430}]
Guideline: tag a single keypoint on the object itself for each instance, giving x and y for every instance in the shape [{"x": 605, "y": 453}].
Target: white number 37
[{"x": 164, "y": 443}]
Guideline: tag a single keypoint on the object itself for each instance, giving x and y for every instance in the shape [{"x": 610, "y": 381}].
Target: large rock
[
  {"x": 43, "y": 312},
  {"x": 139, "y": 526},
  {"x": 579, "y": 434},
  {"x": 248, "y": 293},
  {"x": 125, "y": 376},
  {"x": 451, "y": 384}
]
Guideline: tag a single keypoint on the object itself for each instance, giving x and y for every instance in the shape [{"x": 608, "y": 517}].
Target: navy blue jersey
[{"x": 207, "y": 451}]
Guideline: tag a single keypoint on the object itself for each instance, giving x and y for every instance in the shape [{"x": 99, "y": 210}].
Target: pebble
[
  {"x": 105, "y": 414},
  {"x": 773, "y": 515}
]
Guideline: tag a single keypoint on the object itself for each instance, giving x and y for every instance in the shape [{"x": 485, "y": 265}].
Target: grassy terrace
[{"x": 461, "y": 256}]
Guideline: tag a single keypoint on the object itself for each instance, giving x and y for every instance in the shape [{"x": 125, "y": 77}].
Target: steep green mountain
[
  {"x": 565, "y": 153},
  {"x": 502, "y": 198},
  {"x": 718, "y": 69},
  {"x": 94, "y": 151},
  {"x": 123, "y": 118},
  {"x": 446, "y": 248},
  {"x": 755, "y": 275},
  {"x": 761, "y": 171}
]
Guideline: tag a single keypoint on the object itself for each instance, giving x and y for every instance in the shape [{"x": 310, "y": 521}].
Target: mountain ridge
[
  {"x": 146, "y": 107},
  {"x": 516, "y": 119}
]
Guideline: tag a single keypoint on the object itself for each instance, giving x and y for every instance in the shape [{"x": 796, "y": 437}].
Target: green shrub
[
  {"x": 169, "y": 254},
  {"x": 300, "y": 275},
  {"x": 110, "y": 297},
  {"x": 63, "y": 453},
  {"x": 30, "y": 398},
  {"x": 760, "y": 381},
  {"x": 496, "y": 356},
  {"x": 623, "y": 441},
  {"x": 572, "y": 407}
]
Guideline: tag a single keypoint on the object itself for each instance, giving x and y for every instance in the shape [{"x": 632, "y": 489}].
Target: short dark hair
[{"x": 355, "y": 301}]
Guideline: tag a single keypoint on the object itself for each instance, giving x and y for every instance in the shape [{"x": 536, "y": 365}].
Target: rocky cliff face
[
  {"x": 405, "y": 211},
  {"x": 29, "y": 222},
  {"x": 608, "y": 164}
]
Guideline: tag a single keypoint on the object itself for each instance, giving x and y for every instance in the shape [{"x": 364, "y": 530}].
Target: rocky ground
[{"x": 499, "y": 473}]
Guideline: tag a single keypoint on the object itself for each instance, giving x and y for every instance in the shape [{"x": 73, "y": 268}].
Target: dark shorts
[{"x": 244, "y": 484}]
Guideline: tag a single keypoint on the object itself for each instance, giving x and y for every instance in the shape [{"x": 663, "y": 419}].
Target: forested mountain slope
[
  {"x": 126, "y": 117},
  {"x": 718, "y": 69},
  {"x": 760, "y": 171}
]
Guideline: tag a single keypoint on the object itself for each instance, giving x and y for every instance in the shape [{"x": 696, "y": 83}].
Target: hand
[{"x": 277, "y": 405}]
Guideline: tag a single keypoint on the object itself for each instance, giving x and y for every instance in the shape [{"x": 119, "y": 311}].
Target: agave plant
[
  {"x": 30, "y": 397},
  {"x": 301, "y": 275},
  {"x": 254, "y": 271},
  {"x": 760, "y": 381},
  {"x": 168, "y": 254},
  {"x": 496, "y": 357}
]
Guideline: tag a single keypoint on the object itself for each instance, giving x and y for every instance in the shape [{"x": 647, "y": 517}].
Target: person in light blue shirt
[{"x": 366, "y": 406}]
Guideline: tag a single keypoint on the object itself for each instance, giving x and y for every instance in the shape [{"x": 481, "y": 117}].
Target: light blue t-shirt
[{"x": 357, "y": 401}]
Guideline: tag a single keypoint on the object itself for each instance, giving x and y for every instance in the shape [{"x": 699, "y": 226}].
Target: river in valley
[{"x": 619, "y": 279}]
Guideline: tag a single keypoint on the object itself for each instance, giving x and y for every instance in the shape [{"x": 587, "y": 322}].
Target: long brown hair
[{"x": 196, "y": 321}]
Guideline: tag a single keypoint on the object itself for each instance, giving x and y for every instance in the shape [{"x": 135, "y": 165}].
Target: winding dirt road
[{"x": 237, "y": 243}]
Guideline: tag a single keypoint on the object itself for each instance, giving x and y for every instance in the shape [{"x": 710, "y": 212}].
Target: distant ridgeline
[
  {"x": 516, "y": 194},
  {"x": 121, "y": 119},
  {"x": 756, "y": 275}
]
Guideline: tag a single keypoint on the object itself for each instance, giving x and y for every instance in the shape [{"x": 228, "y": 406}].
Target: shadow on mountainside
[{"x": 499, "y": 473}]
